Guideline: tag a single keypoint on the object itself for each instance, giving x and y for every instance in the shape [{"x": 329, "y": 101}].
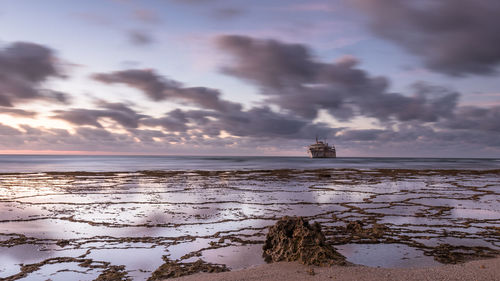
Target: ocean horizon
[{"x": 20, "y": 163}]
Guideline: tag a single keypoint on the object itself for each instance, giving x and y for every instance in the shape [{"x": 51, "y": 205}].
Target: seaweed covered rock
[
  {"x": 172, "y": 269},
  {"x": 114, "y": 273},
  {"x": 294, "y": 239},
  {"x": 356, "y": 229}
]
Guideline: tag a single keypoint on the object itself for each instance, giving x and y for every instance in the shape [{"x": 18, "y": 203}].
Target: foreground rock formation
[{"x": 294, "y": 239}]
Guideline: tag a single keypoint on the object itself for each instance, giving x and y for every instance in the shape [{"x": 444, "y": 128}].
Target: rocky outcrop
[{"x": 294, "y": 239}]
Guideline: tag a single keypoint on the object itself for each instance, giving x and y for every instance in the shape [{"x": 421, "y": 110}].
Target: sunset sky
[{"x": 229, "y": 77}]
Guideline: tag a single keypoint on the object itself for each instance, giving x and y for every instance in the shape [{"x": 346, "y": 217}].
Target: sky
[{"x": 377, "y": 78}]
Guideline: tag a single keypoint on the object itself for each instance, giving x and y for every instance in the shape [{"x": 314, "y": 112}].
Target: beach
[
  {"x": 131, "y": 224},
  {"x": 474, "y": 270}
]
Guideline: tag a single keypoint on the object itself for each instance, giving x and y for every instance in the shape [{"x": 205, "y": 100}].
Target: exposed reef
[
  {"x": 87, "y": 223},
  {"x": 294, "y": 239}
]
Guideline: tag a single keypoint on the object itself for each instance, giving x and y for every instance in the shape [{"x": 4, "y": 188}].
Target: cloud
[
  {"x": 160, "y": 88},
  {"x": 174, "y": 121},
  {"x": 455, "y": 37},
  {"x": 228, "y": 13},
  {"x": 95, "y": 18},
  {"x": 312, "y": 7},
  {"x": 263, "y": 122},
  {"x": 17, "y": 112},
  {"x": 413, "y": 139},
  {"x": 406, "y": 139},
  {"x": 140, "y": 37},
  {"x": 474, "y": 118},
  {"x": 295, "y": 86},
  {"x": 146, "y": 16},
  {"x": 258, "y": 122},
  {"x": 8, "y": 131},
  {"x": 268, "y": 62},
  {"x": 24, "y": 67},
  {"x": 360, "y": 135},
  {"x": 293, "y": 79},
  {"x": 118, "y": 112},
  {"x": 194, "y": 1}
]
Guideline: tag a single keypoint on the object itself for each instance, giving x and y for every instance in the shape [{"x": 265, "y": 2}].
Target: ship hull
[{"x": 322, "y": 154}]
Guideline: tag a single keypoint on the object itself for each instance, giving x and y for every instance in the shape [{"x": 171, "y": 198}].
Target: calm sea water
[{"x": 44, "y": 163}]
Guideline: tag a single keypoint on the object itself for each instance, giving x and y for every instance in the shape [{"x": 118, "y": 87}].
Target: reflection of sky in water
[
  {"x": 133, "y": 220},
  {"x": 140, "y": 264},
  {"x": 385, "y": 255},
  {"x": 236, "y": 257},
  {"x": 63, "y": 272}
]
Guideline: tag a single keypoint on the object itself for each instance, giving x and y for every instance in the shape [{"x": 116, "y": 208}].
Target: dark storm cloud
[
  {"x": 118, "y": 112},
  {"x": 291, "y": 78},
  {"x": 159, "y": 88},
  {"x": 23, "y": 69},
  {"x": 455, "y": 37},
  {"x": 140, "y": 37}
]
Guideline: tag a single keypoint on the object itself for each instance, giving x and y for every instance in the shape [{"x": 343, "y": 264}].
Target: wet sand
[
  {"x": 484, "y": 270},
  {"x": 82, "y": 225}
]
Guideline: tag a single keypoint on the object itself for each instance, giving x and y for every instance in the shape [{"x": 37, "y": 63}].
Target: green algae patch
[{"x": 294, "y": 239}]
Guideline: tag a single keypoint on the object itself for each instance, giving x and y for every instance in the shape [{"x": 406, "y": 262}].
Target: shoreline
[{"x": 484, "y": 269}]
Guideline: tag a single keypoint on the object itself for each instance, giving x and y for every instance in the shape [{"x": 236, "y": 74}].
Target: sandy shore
[{"x": 475, "y": 270}]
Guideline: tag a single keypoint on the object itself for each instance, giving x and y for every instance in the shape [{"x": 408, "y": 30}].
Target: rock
[
  {"x": 172, "y": 269},
  {"x": 294, "y": 239},
  {"x": 355, "y": 227},
  {"x": 62, "y": 243},
  {"x": 446, "y": 253},
  {"x": 114, "y": 273},
  {"x": 357, "y": 231}
]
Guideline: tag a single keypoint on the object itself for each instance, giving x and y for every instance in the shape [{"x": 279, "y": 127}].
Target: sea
[{"x": 102, "y": 163}]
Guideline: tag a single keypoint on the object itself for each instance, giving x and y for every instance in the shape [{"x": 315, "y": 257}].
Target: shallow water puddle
[{"x": 385, "y": 255}]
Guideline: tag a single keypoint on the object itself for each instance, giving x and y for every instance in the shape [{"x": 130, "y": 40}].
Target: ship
[{"x": 321, "y": 150}]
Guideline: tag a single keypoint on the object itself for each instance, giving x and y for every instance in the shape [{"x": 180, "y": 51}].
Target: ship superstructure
[{"x": 321, "y": 150}]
